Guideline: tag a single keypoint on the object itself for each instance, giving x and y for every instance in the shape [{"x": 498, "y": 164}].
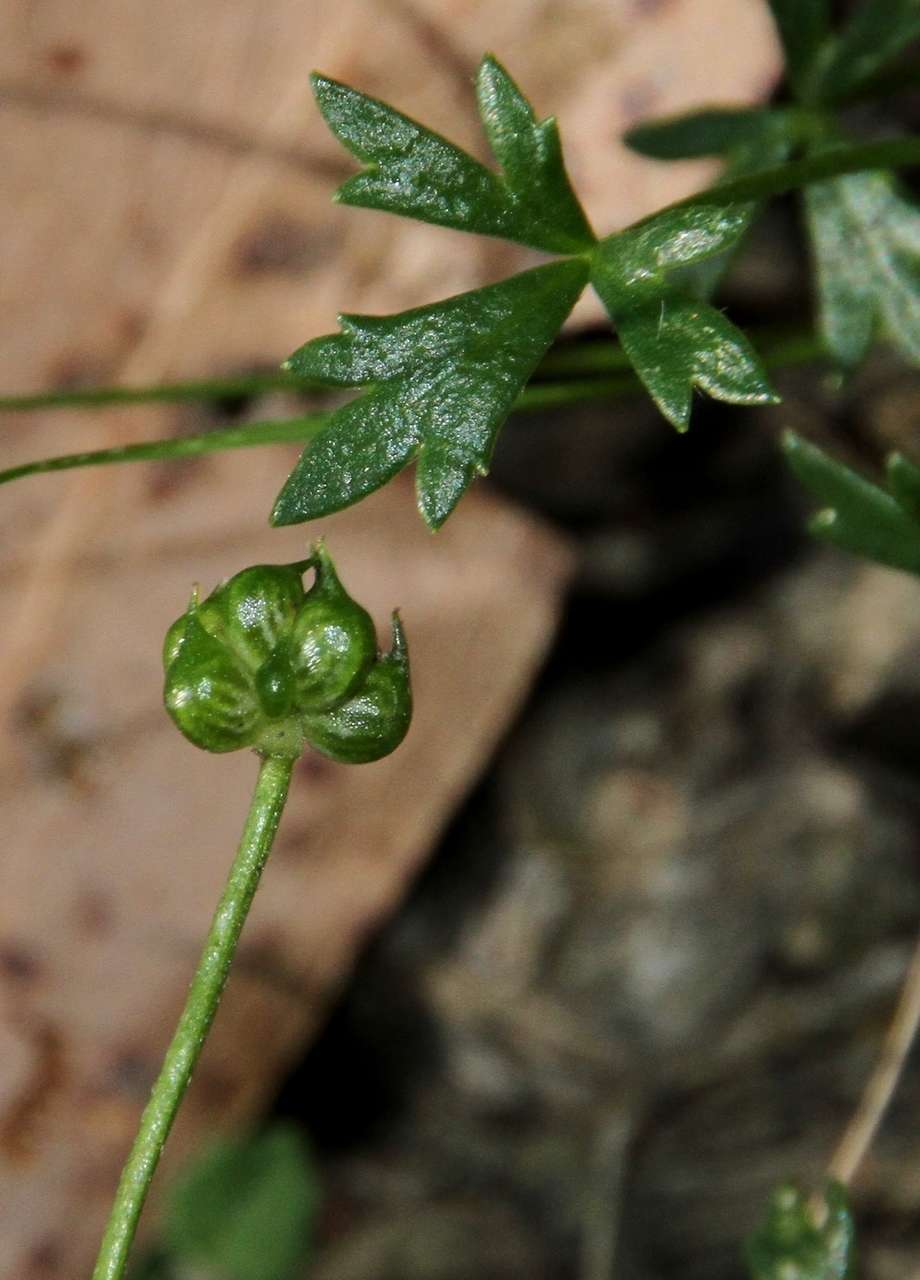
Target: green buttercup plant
[
  {"x": 265, "y": 665},
  {"x": 436, "y": 383},
  {"x": 864, "y": 231},
  {"x": 262, "y": 664}
]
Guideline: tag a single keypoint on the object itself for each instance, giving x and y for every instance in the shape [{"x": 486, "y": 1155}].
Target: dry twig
[{"x": 866, "y": 1119}]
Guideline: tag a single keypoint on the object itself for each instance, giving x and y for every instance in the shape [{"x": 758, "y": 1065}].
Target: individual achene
[{"x": 263, "y": 664}]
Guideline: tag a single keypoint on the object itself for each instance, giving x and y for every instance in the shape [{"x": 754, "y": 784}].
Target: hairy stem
[{"x": 200, "y": 1007}]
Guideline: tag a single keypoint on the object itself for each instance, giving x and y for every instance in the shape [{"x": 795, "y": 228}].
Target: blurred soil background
[
  {"x": 565, "y": 987},
  {"x": 646, "y": 976}
]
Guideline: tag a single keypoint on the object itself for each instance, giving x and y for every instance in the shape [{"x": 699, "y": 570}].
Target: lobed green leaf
[
  {"x": 858, "y": 515},
  {"x": 530, "y": 154},
  {"x": 866, "y": 245},
  {"x": 442, "y": 379},
  {"x": 413, "y": 171},
  {"x": 673, "y": 341},
  {"x": 679, "y": 343},
  {"x": 750, "y": 140}
]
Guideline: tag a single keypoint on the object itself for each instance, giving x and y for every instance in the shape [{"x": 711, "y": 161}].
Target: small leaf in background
[
  {"x": 675, "y": 342},
  {"x": 442, "y": 381},
  {"x": 803, "y": 27},
  {"x": 858, "y": 515},
  {"x": 712, "y": 132},
  {"x": 414, "y": 172},
  {"x": 154, "y": 1266},
  {"x": 866, "y": 244},
  {"x": 877, "y": 33},
  {"x": 800, "y": 1240},
  {"x": 245, "y": 1209}
]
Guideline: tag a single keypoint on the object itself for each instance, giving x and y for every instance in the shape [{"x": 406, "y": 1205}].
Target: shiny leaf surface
[
  {"x": 413, "y": 171},
  {"x": 680, "y": 343},
  {"x": 442, "y": 380},
  {"x": 635, "y": 261},
  {"x": 751, "y": 140},
  {"x": 673, "y": 341}
]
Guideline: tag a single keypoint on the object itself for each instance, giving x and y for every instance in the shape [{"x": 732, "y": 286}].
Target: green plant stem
[
  {"x": 243, "y": 384},
  {"x": 602, "y": 358},
  {"x": 776, "y": 180},
  {"x": 286, "y": 431},
  {"x": 222, "y": 388},
  {"x": 200, "y": 1007},
  {"x": 590, "y": 358}
]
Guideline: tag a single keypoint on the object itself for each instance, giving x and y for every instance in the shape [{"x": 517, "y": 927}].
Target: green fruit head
[
  {"x": 375, "y": 720},
  {"x": 262, "y": 664}
]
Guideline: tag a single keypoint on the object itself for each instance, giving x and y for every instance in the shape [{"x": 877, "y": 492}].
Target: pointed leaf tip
[{"x": 412, "y": 171}]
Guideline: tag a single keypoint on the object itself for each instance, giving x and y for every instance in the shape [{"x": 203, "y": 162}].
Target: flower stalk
[{"x": 200, "y": 1007}]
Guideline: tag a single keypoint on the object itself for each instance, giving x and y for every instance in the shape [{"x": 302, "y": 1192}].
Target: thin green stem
[
  {"x": 219, "y": 389},
  {"x": 593, "y": 358},
  {"x": 285, "y": 431},
  {"x": 776, "y": 180},
  {"x": 613, "y": 381},
  {"x": 549, "y": 395},
  {"x": 244, "y": 384},
  {"x": 200, "y": 1007}
]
